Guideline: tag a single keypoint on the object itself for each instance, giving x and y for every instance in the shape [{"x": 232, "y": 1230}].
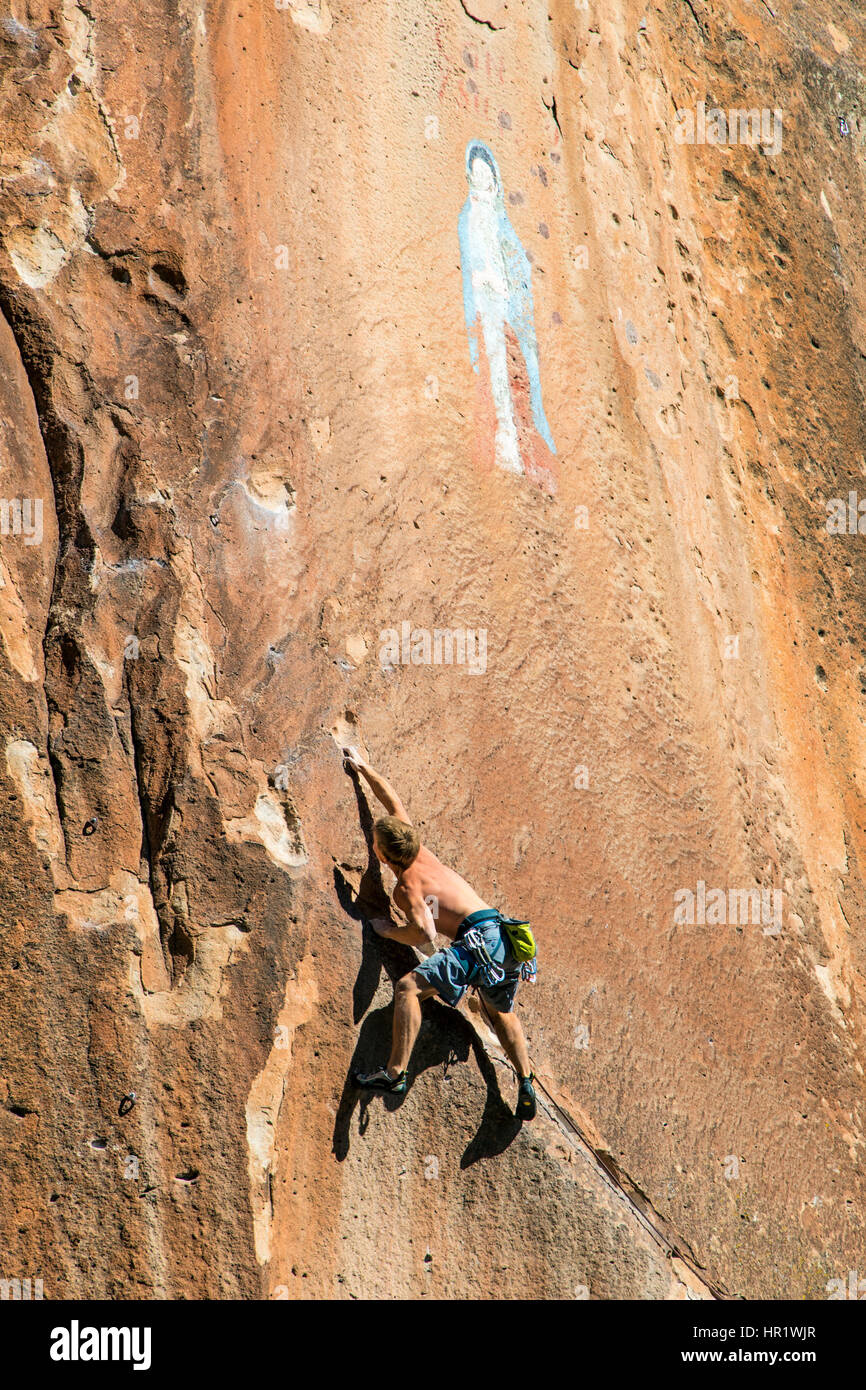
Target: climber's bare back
[{"x": 454, "y": 898}]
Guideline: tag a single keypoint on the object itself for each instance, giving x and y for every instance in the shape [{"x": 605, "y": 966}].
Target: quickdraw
[{"x": 491, "y": 973}]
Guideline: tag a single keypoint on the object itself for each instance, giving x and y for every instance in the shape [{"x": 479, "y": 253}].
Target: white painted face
[{"x": 481, "y": 176}]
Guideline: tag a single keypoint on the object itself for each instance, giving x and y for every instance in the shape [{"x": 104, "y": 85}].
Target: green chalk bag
[{"x": 520, "y": 936}]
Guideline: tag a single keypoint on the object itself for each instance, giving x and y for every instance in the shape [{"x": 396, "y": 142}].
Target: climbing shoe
[
  {"x": 526, "y": 1106},
  {"x": 381, "y": 1081}
]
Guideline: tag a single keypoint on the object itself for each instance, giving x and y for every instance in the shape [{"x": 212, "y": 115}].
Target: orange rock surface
[{"x": 237, "y": 381}]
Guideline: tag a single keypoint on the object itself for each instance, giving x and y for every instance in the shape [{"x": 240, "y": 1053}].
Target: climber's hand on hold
[{"x": 353, "y": 759}]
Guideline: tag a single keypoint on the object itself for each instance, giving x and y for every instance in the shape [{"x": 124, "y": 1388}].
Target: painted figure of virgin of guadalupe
[{"x": 497, "y": 294}]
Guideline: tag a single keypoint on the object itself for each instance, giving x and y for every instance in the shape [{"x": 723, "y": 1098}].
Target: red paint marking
[{"x": 539, "y": 463}]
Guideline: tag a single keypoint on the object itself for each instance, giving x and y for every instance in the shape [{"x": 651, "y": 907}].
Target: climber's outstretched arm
[{"x": 383, "y": 789}]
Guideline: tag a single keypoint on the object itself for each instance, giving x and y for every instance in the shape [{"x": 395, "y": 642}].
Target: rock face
[{"x": 327, "y": 328}]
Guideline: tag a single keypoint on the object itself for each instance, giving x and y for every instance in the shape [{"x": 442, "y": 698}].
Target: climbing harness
[
  {"x": 491, "y": 973},
  {"x": 520, "y": 940}
]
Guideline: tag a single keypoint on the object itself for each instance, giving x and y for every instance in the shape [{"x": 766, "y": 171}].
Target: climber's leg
[
  {"x": 509, "y": 1031},
  {"x": 409, "y": 994}
]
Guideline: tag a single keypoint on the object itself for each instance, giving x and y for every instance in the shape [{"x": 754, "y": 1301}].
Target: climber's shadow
[
  {"x": 367, "y": 980},
  {"x": 445, "y": 1036},
  {"x": 369, "y": 903},
  {"x": 374, "y": 1041},
  {"x": 499, "y": 1125}
]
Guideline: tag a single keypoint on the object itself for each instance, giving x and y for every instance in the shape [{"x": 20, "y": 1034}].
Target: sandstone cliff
[{"x": 244, "y": 440}]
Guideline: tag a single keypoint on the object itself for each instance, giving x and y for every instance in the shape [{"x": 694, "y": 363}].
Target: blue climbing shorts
[{"x": 454, "y": 969}]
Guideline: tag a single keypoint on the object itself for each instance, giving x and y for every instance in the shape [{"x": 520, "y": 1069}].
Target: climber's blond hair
[{"x": 398, "y": 841}]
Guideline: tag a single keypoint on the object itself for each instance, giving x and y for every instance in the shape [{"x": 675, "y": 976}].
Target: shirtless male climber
[{"x": 448, "y": 972}]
